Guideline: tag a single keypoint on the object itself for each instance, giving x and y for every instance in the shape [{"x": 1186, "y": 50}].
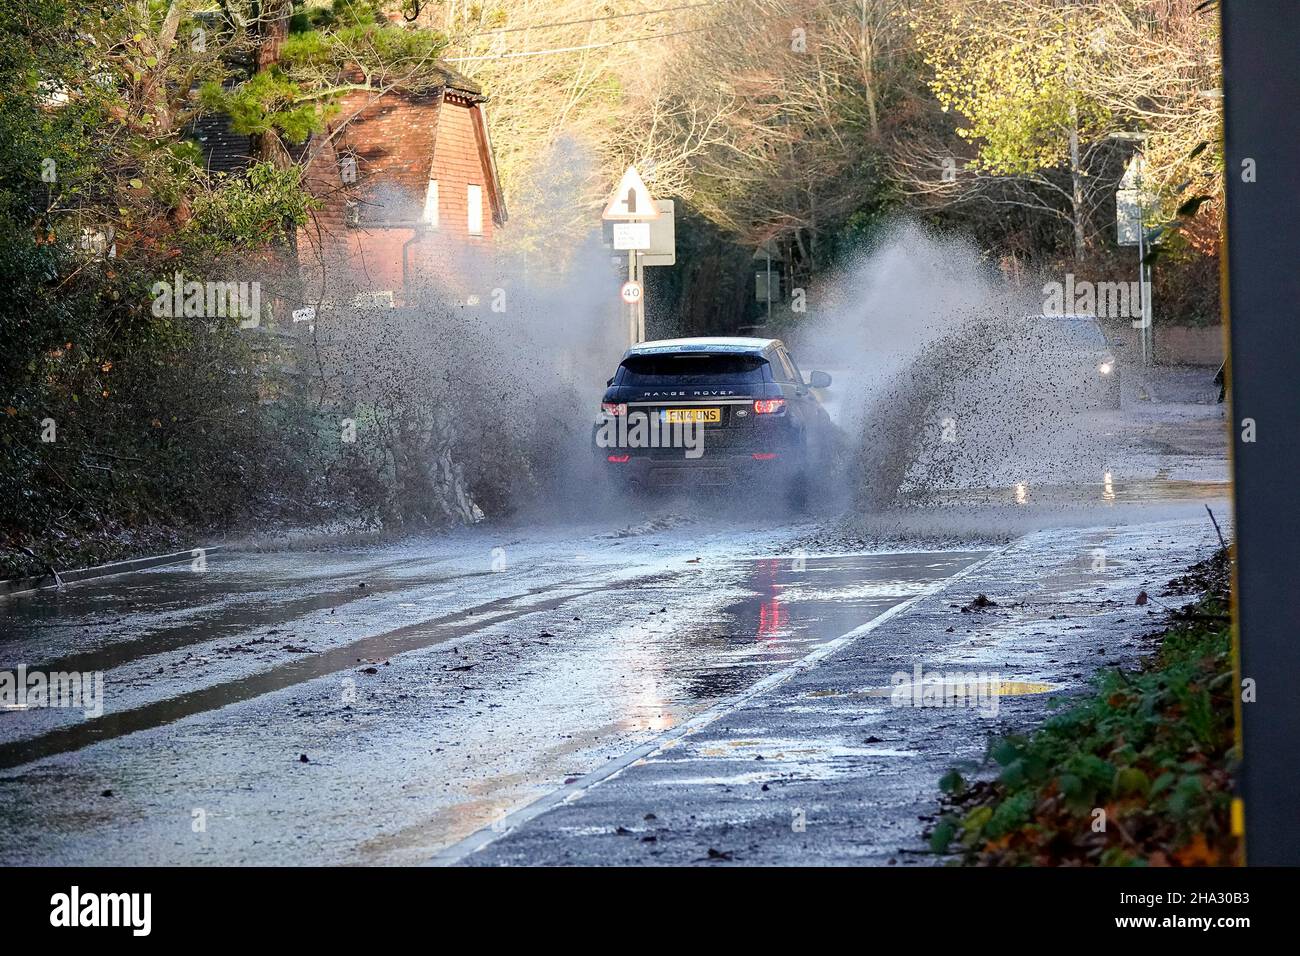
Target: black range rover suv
[{"x": 700, "y": 412}]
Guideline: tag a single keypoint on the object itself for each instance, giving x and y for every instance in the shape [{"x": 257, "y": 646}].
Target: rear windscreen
[{"x": 691, "y": 369}]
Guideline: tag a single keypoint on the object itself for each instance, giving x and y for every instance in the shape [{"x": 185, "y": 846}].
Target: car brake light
[
  {"x": 614, "y": 408},
  {"x": 764, "y": 455},
  {"x": 618, "y": 459},
  {"x": 768, "y": 406}
]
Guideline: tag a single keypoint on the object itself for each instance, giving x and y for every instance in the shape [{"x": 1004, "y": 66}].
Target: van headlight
[{"x": 1107, "y": 365}]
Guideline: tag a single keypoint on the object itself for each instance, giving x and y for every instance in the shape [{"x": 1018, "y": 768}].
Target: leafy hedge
[
  {"x": 123, "y": 431},
  {"x": 1153, "y": 750}
]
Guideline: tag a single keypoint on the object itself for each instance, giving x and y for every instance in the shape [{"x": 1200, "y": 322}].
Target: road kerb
[{"x": 15, "y": 586}]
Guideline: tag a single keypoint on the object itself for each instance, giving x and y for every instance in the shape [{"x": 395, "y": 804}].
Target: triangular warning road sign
[{"x": 631, "y": 200}]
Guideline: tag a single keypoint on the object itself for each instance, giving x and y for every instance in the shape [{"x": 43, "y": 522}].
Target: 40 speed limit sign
[{"x": 631, "y": 292}]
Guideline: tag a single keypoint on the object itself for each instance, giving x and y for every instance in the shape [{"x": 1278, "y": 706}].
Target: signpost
[
  {"x": 644, "y": 228},
  {"x": 632, "y": 235},
  {"x": 631, "y": 200},
  {"x": 1132, "y": 200},
  {"x": 663, "y": 236}
]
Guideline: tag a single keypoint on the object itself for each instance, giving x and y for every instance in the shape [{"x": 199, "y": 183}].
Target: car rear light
[
  {"x": 768, "y": 406},
  {"x": 614, "y": 408},
  {"x": 764, "y": 455},
  {"x": 618, "y": 459}
]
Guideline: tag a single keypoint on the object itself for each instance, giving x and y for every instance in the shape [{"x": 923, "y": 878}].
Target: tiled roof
[
  {"x": 224, "y": 151},
  {"x": 228, "y": 152},
  {"x": 459, "y": 82}
]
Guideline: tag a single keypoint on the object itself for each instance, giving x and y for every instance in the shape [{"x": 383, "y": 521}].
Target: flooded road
[
  {"x": 377, "y": 705},
  {"x": 382, "y": 703}
]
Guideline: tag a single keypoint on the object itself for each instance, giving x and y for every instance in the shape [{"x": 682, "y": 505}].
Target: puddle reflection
[{"x": 797, "y": 604}]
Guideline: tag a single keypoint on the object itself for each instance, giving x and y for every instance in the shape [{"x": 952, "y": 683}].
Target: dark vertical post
[{"x": 1262, "y": 164}]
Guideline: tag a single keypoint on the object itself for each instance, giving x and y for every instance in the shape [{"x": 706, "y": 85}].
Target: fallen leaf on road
[{"x": 980, "y": 602}]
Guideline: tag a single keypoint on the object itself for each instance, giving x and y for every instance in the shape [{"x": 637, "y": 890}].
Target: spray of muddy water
[
  {"x": 485, "y": 386},
  {"x": 477, "y": 393},
  {"x": 941, "y": 383}
]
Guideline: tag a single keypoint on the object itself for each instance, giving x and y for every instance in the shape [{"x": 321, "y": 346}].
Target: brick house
[{"x": 409, "y": 188}]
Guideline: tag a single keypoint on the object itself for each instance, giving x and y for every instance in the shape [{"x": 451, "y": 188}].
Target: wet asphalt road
[
  {"x": 432, "y": 687},
  {"x": 380, "y": 704},
  {"x": 827, "y": 765}
]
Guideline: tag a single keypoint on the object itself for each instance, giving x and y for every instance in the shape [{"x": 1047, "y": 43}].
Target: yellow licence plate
[{"x": 682, "y": 416}]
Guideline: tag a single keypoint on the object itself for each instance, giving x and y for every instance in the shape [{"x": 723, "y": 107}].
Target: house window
[
  {"x": 474, "y": 196},
  {"x": 348, "y": 169},
  {"x": 431, "y": 204}
]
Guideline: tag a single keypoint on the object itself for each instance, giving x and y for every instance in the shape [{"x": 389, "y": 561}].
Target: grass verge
[{"x": 1137, "y": 774}]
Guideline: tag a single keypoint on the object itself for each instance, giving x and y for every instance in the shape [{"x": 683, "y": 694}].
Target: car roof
[{"x": 719, "y": 344}]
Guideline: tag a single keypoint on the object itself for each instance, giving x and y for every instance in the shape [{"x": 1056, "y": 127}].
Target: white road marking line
[{"x": 568, "y": 793}]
